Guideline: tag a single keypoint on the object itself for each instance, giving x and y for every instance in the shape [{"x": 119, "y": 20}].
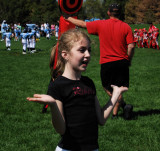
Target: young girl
[{"x": 75, "y": 109}]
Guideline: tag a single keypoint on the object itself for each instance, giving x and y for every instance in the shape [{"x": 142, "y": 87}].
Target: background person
[
  {"x": 116, "y": 52},
  {"x": 4, "y": 28},
  {"x": 151, "y": 28},
  {"x": 24, "y": 36},
  {"x": 8, "y": 36},
  {"x": 136, "y": 38}
]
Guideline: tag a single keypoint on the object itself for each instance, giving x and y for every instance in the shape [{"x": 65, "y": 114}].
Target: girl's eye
[{"x": 82, "y": 50}]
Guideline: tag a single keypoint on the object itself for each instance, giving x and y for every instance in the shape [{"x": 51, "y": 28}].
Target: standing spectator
[
  {"x": 4, "y": 27},
  {"x": 8, "y": 36},
  {"x": 155, "y": 38},
  {"x": 19, "y": 27},
  {"x": 116, "y": 52},
  {"x": 32, "y": 42},
  {"x": 52, "y": 28},
  {"x": 16, "y": 33},
  {"x": 56, "y": 32},
  {"x": 145, "y": 39},
  {"x": 42, "y": 30},
  {"x": 141, "y": 38},
  {"x": 45, "y": 25},
  {"x": 29, "y": 40},
  {"x": 151, "y": 28},
  {"x": 136, "y": 37},
  {"x": 24, "y": 37},
  {"x": 150, "y": 36},
  {"x": 12, "y": 29},
  {"x": 0, "y": 32},
  {"x": 48, "y": 31},
  {"x": 38, "y": 36}
]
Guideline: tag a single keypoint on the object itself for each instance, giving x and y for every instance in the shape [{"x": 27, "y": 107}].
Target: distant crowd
[
  {"x": 147, "y": 39},
  {"x": 28, "y": 34},
  {"x": 32, "y": 33}
]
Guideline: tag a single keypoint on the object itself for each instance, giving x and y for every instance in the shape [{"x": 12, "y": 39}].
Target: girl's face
[{"x": 79, "y": 55}]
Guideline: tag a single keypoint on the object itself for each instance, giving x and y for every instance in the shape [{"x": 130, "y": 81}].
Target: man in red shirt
[{"x": 116, "y": 52}]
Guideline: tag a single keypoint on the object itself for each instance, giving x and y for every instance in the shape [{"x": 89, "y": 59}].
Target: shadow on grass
[
  {"x": 136, "y": 114},
  {"x": 145, "y": 113},
  {"x": 3, "y": 49}
]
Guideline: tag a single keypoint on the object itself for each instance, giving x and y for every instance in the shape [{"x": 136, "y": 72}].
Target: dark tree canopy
[
  {"x": 40, "y": 11},
  {"x": 27, "y": 11},
  {"x": 142, "y": 11}
]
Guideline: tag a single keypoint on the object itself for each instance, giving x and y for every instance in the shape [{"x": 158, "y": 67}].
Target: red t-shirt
[
  {"x": 114, "y": 36},
  {"x": 155, "y": 35},
  {"x": 151, "y": 28},
  {"x": 136, "y": 35}
]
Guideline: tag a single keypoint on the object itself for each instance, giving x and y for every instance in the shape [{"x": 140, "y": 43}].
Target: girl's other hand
[
  {"x": 42, "y": 98},
  {"x": 119, "y": 89}
]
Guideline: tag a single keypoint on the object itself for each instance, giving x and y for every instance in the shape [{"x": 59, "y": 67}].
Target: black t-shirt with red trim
[{"x": 78, "y": 98}]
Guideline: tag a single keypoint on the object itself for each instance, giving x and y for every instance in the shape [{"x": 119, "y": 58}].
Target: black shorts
[{"x": 116, "y": 73}]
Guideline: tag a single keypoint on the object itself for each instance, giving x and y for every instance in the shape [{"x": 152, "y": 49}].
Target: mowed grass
[{"x": 24, "y": 128}]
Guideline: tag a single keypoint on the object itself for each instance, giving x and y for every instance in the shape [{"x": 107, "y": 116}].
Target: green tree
[
  {"x": 45, "y": 11},
  {"x": 92, "y": 8},
  {"x": 26, "y": 11},
  {"x": 142, "y": 11},
  {"x": 106, "y": 4},
  {"x": 130, "y": 11},
  {"x": 157, "y": 13}
]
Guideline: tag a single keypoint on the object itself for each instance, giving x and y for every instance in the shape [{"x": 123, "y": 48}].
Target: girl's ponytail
[{"x": 59, "y": 67}]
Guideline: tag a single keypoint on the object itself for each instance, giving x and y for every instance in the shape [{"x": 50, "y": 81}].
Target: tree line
[
  {"x": 40, "y": 11},
  {"x": 142, "y": 11}
]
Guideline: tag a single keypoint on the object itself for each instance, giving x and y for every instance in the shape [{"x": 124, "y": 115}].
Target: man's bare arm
[
  {"x": 76, "y": 22},
  {"x": 130, "y": 51}
]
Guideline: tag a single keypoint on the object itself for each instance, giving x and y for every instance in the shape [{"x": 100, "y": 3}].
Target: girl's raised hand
[
  {"x": 119, "y": 89},
  {"x": 42, "y": 98}
]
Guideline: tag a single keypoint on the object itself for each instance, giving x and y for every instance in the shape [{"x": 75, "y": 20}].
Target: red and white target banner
[{"x": 69, "y": 7}]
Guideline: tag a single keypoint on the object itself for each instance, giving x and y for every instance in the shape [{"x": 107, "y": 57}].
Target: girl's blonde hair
[{"x": 66, "y": 42}]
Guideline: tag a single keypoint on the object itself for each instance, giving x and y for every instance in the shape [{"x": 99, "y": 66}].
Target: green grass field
[{"x": 24, "y": 128}]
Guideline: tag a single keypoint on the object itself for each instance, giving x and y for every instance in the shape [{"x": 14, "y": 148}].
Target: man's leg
[{"x": 116, "y": 73}]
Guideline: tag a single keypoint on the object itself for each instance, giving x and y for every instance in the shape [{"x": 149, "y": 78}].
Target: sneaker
[
  {"x": 24, "y": 53},
  {"x": 31, "y": 51},
  {"x": 9, "y": 49},
  {"x": 123, "y": 104},
  {"x": 128, "y": 112}
]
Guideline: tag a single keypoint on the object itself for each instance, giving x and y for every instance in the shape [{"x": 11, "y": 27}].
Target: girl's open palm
[
  {"x": 119, "y": 89},
  {"x": 42, "y": 98}
]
